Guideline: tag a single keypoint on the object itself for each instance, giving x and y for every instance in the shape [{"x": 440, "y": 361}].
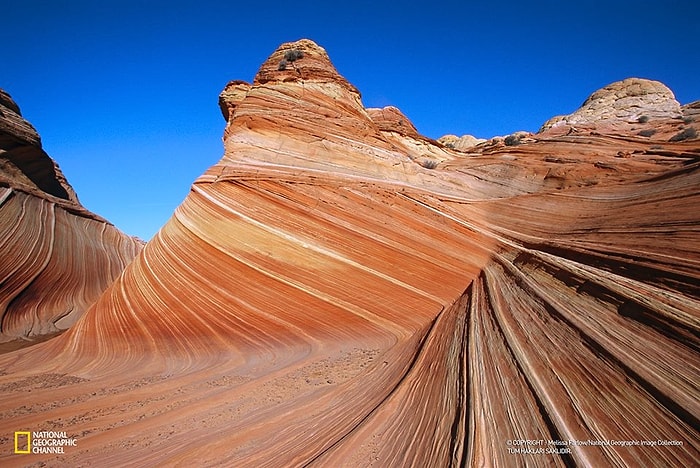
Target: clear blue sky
[{"x": 124, "y": 93}]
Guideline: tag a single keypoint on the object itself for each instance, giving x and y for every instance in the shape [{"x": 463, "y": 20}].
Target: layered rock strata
[
  {"x": 323, "y": 298},
  {"x": 56, "y": 256}
]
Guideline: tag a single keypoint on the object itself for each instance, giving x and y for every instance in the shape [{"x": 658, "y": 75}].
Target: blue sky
[{"x": 124, "y": 93}]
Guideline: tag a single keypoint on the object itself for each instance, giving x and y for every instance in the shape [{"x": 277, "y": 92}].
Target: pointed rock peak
[
  {"x": 13, "y": 125},
  {"x": 23, "y": 162},
  {"x": 7, "y": 101},
  {"x": 628, "y": 100},
  {"x": 299, "y": 61}
]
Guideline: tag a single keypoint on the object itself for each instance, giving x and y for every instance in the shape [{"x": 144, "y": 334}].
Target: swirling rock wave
[
  {"x": 56, "y": 256},
  {"x": 323, "y": 297}
]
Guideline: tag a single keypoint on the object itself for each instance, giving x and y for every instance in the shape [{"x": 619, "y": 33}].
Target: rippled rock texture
[
  {"x": 633, "y": 100},
  {"x": 56, "y": 257},
  {"x": 337, "y": 291}
]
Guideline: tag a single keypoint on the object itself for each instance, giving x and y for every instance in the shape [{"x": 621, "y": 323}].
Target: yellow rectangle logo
[{"x": 18, "y": 436}]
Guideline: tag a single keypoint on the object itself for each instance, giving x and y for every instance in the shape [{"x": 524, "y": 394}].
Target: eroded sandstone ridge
[
  {"x": 340, "y": 291},
  {"x": 56, "y": 257}
]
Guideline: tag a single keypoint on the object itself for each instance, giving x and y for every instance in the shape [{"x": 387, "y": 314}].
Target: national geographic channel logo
[
  {"x": 42, "y": 442},
  {"x": 23, "y": 442}
]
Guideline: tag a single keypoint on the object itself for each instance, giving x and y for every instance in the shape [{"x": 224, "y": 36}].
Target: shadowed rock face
[
  {"x": 322, "y": 298},
  {"x": 22, "y": 160},
  {"x": 56, "y": 256}
]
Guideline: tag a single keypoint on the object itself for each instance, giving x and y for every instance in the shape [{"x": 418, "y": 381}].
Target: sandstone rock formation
[
  {"x": 391, "y": 120},
  {"x": 631, "y": 100},
  {"x": 56, "y": 256},
  {"x": 320, "y": 298},
  {"x": 22, "y": 160},
  {"x": 462, "y": 143}
]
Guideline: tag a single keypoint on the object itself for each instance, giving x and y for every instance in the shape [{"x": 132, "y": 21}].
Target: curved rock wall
[{"x": 56, "y": 257}]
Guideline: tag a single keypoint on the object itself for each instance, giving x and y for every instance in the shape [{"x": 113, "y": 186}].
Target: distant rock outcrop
[
  {"x": 338, "y": 290},
  {"x": 391, "y": 119},
  {"x": 630, "y": 100},
  {"x": 56, "y": 256},
  {"x": 462, "y": 143}
]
